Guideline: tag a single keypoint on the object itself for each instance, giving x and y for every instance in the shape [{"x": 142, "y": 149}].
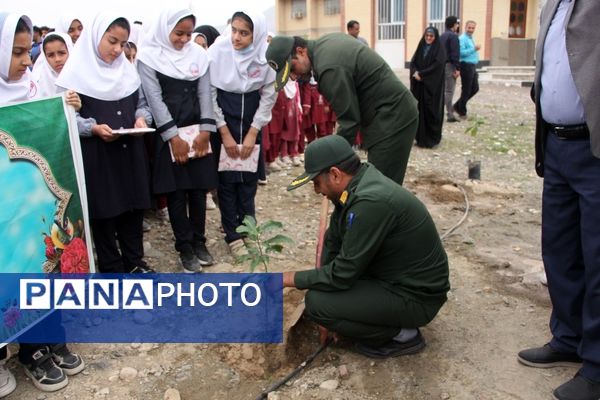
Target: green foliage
[
  {"x": 256, "y": 243},
  {"x": 476, "y": 122}
]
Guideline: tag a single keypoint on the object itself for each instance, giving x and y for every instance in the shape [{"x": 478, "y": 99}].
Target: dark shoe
[
  {"x": 142, "y": 269},
  {"x": 451, "y": 119},
  {"x": 547, "y": 357},
  {"x": 578, "y": 388},
  {"x": 69, "y": 362},
  {"x": 201, "y": 252},
  {"x": 44, "y": 373},
  {"x": 392, "y": 348},
  {"x": 460, "y": 115},
  {"x": 190, "y": 263}
]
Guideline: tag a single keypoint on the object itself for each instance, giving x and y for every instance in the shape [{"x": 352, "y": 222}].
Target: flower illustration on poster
[{"x": 66, "y": 250}]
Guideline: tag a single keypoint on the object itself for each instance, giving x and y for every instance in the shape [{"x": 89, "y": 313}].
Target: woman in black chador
[{"x": 427, "y": 85}]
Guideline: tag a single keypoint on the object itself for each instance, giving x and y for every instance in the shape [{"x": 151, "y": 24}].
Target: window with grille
[
  {"x": 332, "y": 7},
  {"x": 439, "y": 10},
  {"x": 518, "y": 18},
  {"x": 298, "y": 9},
  {"x": 391, "y": 24}
]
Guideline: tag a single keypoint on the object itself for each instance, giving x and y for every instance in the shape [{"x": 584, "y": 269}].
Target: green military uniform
[
  {"x": 368, "y": 97},
  {"x": 384, "y": 267}
]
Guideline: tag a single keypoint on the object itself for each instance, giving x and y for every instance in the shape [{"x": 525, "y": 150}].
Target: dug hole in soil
[{"x": 497, "y": 304}]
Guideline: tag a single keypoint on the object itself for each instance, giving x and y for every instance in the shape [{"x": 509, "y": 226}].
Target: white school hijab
[
  {"x": 157, "y": 51},
  {"x": 64, "y": 23},
  {"x": 23, "y": 89},
  {"x": 87, "y": 74},
  {"x": 245, "y": 70},
  {"x": 43, "y": 74}
]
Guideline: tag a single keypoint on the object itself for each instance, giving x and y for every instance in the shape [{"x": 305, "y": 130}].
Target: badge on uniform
[{"x": 350, "y": 220}]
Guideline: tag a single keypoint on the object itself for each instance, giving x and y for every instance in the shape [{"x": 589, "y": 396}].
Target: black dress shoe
[
  {"x": 392, "y": 348},
  {"x": 578, "y": 388},
  {"x": 547, "y": 357}
]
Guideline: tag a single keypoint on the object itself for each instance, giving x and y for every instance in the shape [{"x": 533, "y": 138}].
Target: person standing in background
[
  {"x": 427, "y": 85},
  {"x": 567, "y": 144},
  {"x": 450, "y": 43},
  {"x": 353, "y": 28},
  {"x": 469, "y": 58}
]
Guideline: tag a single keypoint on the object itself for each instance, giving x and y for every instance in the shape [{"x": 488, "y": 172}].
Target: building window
[
  {"x": 518, "y": 18},
  {"x": 439, "y": 10},
  {"x": 332, "y": 7},
  {"x": 298, "y": 9},
  {"x": 390, "y": 20}
]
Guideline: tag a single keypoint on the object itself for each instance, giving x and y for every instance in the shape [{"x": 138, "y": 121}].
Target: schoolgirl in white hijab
[
  {"x": 44, "y": 74},
  {"x": 245, "y": 70},
  {"x": 115, "y": 165},
  {"x": 86, "y": 72},
  {"x": 174, "y": 73},
  {"x": 243, "y": 96},
  {"x": 187, "y": 63},
  {"x": 16, "y": 83},
  {"x": 70, "y": 25}
]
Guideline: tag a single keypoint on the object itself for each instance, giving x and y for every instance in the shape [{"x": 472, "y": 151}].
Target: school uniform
[
  {"x": 117, "y": 173},
  {"x": 177, "y": 86},
  {"x": 243, "y": 97}
]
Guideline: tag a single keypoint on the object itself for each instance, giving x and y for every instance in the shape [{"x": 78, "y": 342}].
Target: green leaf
[
  {"x": 275, "y": 248},
  {"x": 254, "y": 264},
  {"x": 279, "y": 239},
  {"x": 270, "y": 226}
]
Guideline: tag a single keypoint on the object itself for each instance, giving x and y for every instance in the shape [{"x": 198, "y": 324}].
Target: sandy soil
[{"x": 496, "y": 307}]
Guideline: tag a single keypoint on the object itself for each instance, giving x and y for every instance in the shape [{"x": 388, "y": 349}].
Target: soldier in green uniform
[
  {"x": 364, "y": 92},
  {"x": 384, "y": 271}
]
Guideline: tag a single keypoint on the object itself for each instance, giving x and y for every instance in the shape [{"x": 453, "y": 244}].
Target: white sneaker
[
  {"x": 210, "y": 203},
  {"x": 296, "y": 161},
  {"x": 7, "y": 381},
  {"x": 162, "y": 214},
  {"x": 274, "y": 166},
  {"x": 286, "y": 161}
]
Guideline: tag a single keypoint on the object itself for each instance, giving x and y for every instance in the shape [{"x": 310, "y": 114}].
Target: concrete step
[
  {"x": 484, "y": 80},
  {"x": 505, "y": 76},
  {"x": 508, "y": 70}
]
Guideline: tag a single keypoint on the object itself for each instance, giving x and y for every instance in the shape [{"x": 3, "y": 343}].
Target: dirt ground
[{"x": 497, "y": 304}]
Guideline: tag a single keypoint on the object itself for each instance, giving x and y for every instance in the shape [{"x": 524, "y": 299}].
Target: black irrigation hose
[
  {"x": 295, "y": 372},
  {"x": 322, "y": 347}
]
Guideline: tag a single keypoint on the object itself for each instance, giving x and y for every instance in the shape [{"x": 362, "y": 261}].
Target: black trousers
[
  {"x": 187, "y": 212},
  {"x": 236, "y": 200},
  {"x": 126, "y": 229},
  {"x": 470, "y": 86}
]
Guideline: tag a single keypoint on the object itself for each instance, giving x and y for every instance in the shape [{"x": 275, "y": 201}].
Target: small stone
[
  {"x": 273, "y": 396},
  {"x": 343, "y": 371},
  {"x": 372, "y": 363},
  {"x": 511, "y": 153},
  {"x": 113, "y": 378},
  {"x": 331, "y": 384},
  {"x": 135, "y": 345},
  {"x": 128, "y": 374},
  {"x": 102, "y": 392},
  {"x": 172, "y": 394},
  {"x": 247, "y": 352},
  {"x": 444, "y": 396},
  {"x": 487, "y": 289},
  {"x": 41, "y": 397}
]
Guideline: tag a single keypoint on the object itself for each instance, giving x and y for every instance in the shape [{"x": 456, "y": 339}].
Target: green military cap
[
  {"x": 279, "y": 56},
  {"x": 320, "y": 155}
]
